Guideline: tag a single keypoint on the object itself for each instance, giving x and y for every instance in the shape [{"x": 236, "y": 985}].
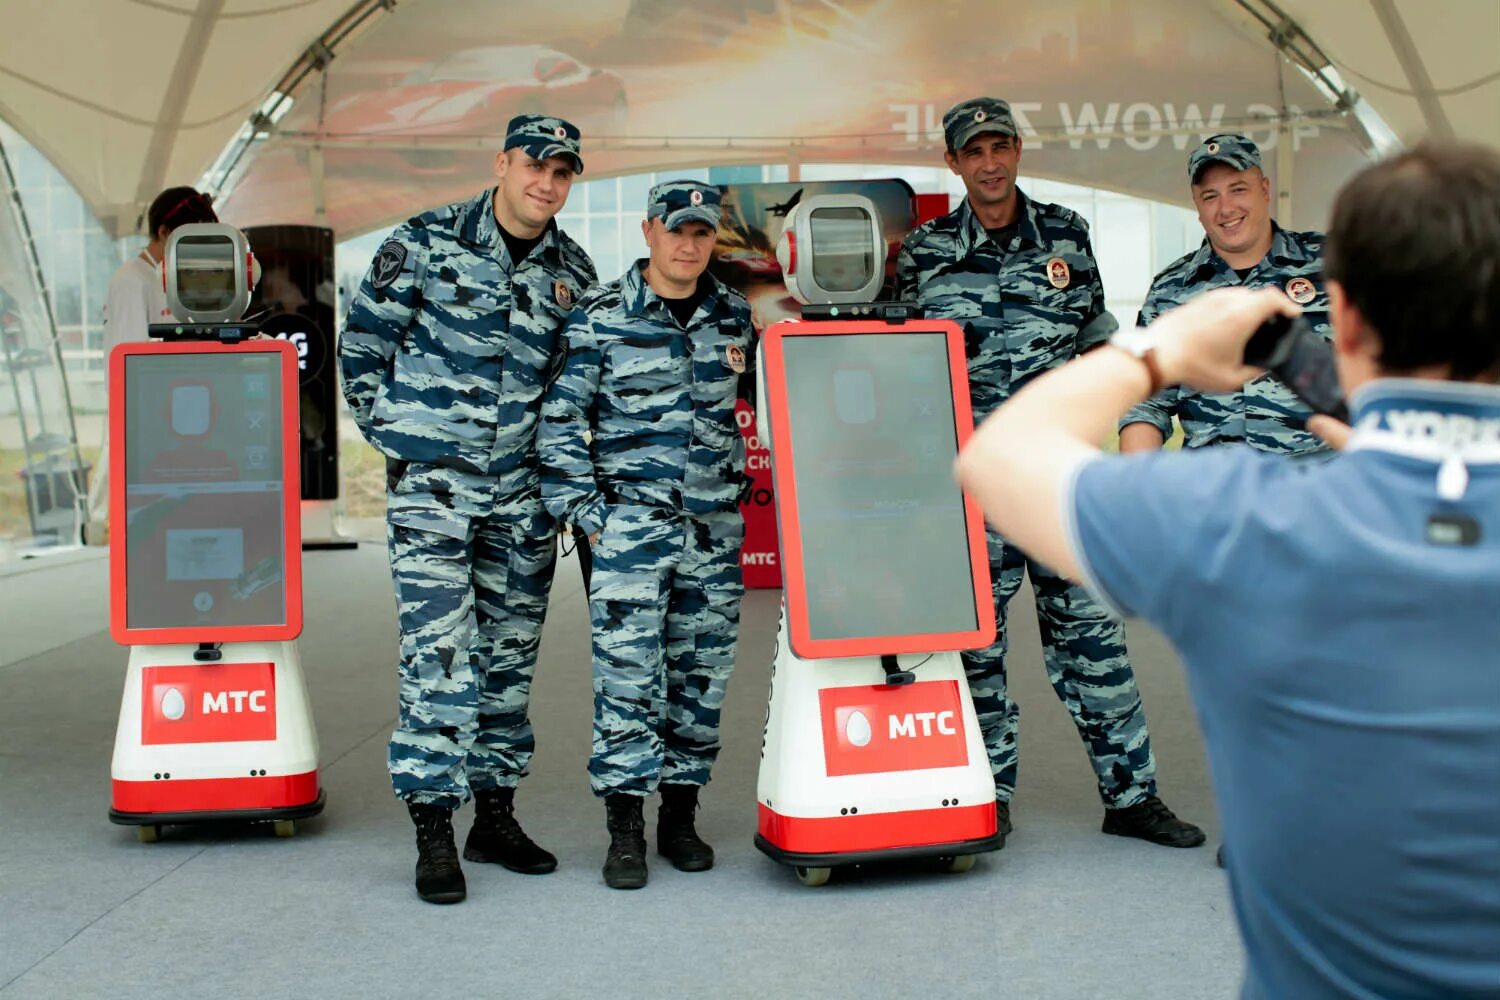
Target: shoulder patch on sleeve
[{"x": 388, "y": 262}]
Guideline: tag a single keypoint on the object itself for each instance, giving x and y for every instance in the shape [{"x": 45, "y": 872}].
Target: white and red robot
[
  {"x": 206, "y": 574},
  {"x": 872, "y": 750}
]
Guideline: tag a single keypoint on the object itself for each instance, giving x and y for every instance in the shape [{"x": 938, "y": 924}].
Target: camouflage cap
[
  {"x": 975, "y": 116},
  {"x": 543, "y": 136},
  {"x": 676, "y": 202},
  {"x": 1235, "y": 150}
]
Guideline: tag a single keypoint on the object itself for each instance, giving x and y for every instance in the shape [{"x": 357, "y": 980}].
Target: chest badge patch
[
  {"x": 388, "y": 261},
  {"x": 1301, "y": 291},
  {"x": 734, "y": 357},
  {"x": 563, "y": 294},
  {"x": 1058, "y": 274}
]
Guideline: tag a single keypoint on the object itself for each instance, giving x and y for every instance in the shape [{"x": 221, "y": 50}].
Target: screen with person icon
[{"x": 205, "y": 485}]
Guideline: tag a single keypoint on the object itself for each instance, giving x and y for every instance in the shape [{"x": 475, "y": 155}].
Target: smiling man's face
[
  {"x": 531, "y": 191},
  {"x": 988, "y": 164},
  {"x": 1235, "y": 209}
]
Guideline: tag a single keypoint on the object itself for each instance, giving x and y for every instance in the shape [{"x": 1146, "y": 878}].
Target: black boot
[
  {"x": 676, "y": 840},
  {"x": 497, "y": 838},
  {"x": 1150, "y": 819},
  {"x": 439, "y": 878},
  {"x": 1002, "y": 821},
  {"x": 625, "y": 864}
]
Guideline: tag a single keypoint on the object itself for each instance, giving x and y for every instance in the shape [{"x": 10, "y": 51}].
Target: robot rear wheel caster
[{"x": 814, "y": 876}]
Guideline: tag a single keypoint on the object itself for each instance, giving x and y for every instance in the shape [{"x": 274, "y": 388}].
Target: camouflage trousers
[
  {"x": 664, "y": 602},
  {"x": 1084, "y": 650},
  {"x": 473, "y": 570}
]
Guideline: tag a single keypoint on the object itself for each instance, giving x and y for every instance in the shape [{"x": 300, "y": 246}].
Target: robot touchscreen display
[
  {"x": 885, "y": 549},
  {"x": 204, "y": 490}
]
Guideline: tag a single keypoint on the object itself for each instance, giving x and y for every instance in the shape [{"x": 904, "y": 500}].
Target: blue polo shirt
[{"x": 1340, "y": 626}]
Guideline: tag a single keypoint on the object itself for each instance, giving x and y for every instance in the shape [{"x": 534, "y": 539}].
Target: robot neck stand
[{"x": 894, "y": 675}]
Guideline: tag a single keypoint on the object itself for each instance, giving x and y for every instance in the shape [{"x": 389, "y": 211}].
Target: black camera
[{"x": 1292, "y": 351}]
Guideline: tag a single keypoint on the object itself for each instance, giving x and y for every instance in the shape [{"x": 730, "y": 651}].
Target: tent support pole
[{"x": 1284, "y": 167}]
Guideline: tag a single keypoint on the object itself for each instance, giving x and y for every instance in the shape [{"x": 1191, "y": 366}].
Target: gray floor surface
[{"x": 87, "y": 911}]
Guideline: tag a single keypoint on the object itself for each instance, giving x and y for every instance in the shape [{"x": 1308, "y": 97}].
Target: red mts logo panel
[
  {"x": 873, "y": 728},
  {"x": 217, "y": 703}
]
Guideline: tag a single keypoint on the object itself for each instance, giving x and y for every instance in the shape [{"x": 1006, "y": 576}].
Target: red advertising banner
[
  {"x": 745, "y": 259},
  {"x": 760, "y": 556}
]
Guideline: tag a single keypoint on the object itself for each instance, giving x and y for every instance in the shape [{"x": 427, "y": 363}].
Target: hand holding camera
[
  {"x": 1224, "y": 338},
  {"x": 1202, "y": 343}
]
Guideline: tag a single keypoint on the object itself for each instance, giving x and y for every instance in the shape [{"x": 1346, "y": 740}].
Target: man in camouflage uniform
[
  {"x": 653, "y": 364},
  {"x": 447, "y": 350},
  {"x": 1242, "y": 245},
  {"x": 1019, "y": 276}
]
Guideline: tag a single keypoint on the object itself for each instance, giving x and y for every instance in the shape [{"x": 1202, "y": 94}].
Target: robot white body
[
  {"x": 225, "y": 739},
  {"x": 856, "y": 769}
]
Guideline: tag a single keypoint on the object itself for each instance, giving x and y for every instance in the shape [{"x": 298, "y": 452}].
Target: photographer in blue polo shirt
[{"x": 1339, "y": 623}]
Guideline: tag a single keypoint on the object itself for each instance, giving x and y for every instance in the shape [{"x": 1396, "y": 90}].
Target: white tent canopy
[{"x": 129, "y": 96}]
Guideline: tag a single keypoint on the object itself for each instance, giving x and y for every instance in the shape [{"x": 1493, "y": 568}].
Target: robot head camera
[
  {"x": 832, "y": 250},
  {"x": 208, "y": 273}
]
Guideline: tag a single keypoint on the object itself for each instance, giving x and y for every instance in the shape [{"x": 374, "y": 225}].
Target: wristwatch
[{"x": 1141, "y": 345}]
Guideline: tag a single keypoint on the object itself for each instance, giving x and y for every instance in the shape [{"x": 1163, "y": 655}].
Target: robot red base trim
[
  {"x": 916, "y": 828},
  {"x": 212, "y": 795}
]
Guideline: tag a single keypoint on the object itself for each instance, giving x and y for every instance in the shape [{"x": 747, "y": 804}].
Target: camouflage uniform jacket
[
  {"x": 658, "y": 400},
  {"x": 1263, "y": 413},
  {"x": 1017, "y": 321},
  {"x": 448, "y": 347}
]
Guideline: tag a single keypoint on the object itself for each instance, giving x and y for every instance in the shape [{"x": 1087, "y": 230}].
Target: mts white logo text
[
  {"x": 243, "y": 701},
  {"x": 908, "y": 724}
]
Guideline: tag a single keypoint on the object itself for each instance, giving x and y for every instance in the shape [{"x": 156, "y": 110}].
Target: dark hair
[
  {"x": 177, "y": 207},
  {"x": 1415, "y": 243}
]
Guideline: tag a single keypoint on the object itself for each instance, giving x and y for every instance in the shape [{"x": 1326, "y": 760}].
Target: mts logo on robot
[
  {"x": 219, "y": 701},
  {"x": 874, "y": 728},
  {"x": 216, "y": 703},
  {"x": 906, "y": 725}
]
